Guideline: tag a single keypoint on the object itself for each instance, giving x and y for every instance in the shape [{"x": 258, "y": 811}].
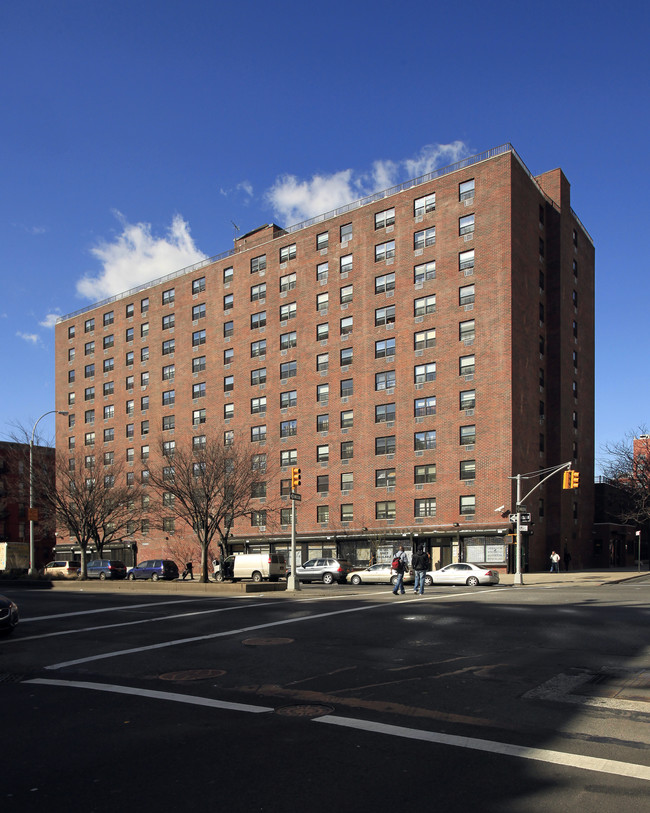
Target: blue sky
[{"x": 134, "y": 132}]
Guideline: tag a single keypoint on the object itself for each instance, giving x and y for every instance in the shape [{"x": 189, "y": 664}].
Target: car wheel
[
  {"x": 428, "y": 581},
  {"x": 131, "y": 577},
  {"x": 102, "y": 576},
  {"x": 393, "y": 580},
  {"x": 257, "y": 576},
  {"x": 327, "y": 578},
  {"x": 218, "y": 577},
  {"x": 472, "y": 581},
  {"x": 355, "y": 580},
  {"x": 154, "y": 577}
]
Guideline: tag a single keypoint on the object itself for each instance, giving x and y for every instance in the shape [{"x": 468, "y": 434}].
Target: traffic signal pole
[
  {"x": 518, "y": 579},
  {"x": 293, "y": 582}
]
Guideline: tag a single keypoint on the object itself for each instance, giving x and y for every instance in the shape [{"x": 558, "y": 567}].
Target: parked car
[
  {"x": 8, "y": 615},
  {"x": 378, "y": 574},
  {"x": 62, "y": 569},
  {"x": 255, "y": 566},
  {"x": 462, "y": 573},
  {"x": 323, "y": 570},
  {"x": 154, "y": 569},
  {"x": 106, "y": 569}
]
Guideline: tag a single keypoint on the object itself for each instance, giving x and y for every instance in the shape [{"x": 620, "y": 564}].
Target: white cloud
[
  {"x": 136, "y": 256},
  {"x": 50, "y": 320},
  {"x": 294, "y": 200},
  {"x": 32, "y": 338}
]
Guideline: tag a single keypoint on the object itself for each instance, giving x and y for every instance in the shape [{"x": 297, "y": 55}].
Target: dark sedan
[{"x": 8, "y": 615}]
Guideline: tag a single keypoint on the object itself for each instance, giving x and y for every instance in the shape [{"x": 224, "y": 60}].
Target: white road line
[
  {"x": 104, "y": 610},
  {"x": 211, "y": 636},
  {"x": 579, "y": 761},
  {"x": 125, "y": 624},
  {"x": 154, "y": 695},
  {"x": 563, "y": 758}
]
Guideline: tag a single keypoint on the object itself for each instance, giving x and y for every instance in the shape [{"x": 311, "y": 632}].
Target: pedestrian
[
  {"x": 400, "y": 563},
  {"x": 567, "y": 559},
  {"x": 420, "y": 564},
  {"x": 189, "y": 571},
  {"x": 555, "y": 562}
]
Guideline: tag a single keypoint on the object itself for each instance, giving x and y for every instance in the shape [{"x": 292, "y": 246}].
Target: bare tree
[
  {"x": 210, "y": 486},
  {"x": 90, "y": 498},
  {"x": 627, "y": 466}
]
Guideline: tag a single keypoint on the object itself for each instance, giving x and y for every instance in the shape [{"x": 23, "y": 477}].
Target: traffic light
[
  {"x": 571, "y": 479},
  {"x": 295, "y": 478}
]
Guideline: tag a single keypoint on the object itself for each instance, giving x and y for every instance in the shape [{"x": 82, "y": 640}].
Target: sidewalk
[{"x": 613, "y": 576}]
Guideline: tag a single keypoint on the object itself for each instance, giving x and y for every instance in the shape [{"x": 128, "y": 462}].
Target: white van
[{"x": 255, "y": 566}]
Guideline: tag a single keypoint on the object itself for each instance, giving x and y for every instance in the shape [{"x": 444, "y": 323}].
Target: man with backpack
[
  {"x": 420, "y": 564},
  {"x": 400, "y": 563}
]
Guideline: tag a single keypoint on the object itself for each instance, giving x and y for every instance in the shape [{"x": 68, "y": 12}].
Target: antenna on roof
[{"x": 237, "y": 230}]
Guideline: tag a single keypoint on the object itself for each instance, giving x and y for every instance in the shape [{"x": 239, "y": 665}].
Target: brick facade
[{"x": 399, "y": 266}]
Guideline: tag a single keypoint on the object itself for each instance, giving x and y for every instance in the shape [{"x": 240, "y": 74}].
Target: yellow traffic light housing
[
  {"x": 571, "y": 479},
  {"x": 575, "y": 479},
  {"x": 295, "y": 478}
]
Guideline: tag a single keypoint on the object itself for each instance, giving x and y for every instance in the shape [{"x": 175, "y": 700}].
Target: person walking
[
  {"x": 189, "y": 571},
  {"x": 400, "y": 563},
  {"x": 420, "y": 564},
  {"x": 555, "y": 562}
]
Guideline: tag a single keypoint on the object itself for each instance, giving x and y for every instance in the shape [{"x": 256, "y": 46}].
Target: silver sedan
[
  {"x": 462, "y": 573},
  {"x": 377, "y": 574}
]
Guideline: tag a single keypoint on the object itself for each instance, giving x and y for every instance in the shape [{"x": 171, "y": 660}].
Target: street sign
[
  {"x": 512, "y": 518},
  {"x": 522, "y": 517},
  {"x": 294, "y": 496}
]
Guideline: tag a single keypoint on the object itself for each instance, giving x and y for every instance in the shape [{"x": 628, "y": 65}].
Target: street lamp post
[{"x": 32, "y": 568}]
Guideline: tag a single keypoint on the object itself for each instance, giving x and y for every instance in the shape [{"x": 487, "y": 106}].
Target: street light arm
[{"x": 548, "y": 476}]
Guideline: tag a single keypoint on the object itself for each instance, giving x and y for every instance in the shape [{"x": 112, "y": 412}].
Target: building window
[
  {"x": 144, "y": 427},
  {"x": 424, "y": 272},
  {"x": 228, "y": 303},
  {"x": 109, "y": 412},
  {"x": 322, "y": 423},
  {"x": 322, "y": 513},
  {"x": 228, "y": 411},
  {"x": 89, "y": 416},
  {"x": 385, "y": 445},
  {"x": 346, "y": 232},
  {"x": 109, "y": 387},
  {"x": 288, "y": 428},
  {"x": 228, "y": 437},
  {"x": 89, "y": 348},
  {"x": 109, "y": 435},
  {"x": 129, "y": 383},
  {"x": 347, "y": 419},
  {"x": 198, "y": 417},
  {"x": 89, "y": 394},
  {"x": 346, "y": 356},
  {"x": 385, "y": 348},
  {"x": 385, "y": 478},
  {"x": 345, "y": 264},
  {"x": 424, "y": 205},
  {"x": 258, "y": 405},
  {"x": 346, "y": 326},
  {"x": 385, "y": 380},
  {"x": 385, "y": 251},
  {"x": 288, "y": 253},
  {"x": 346, "y": 294},
  {"x": 168, "y": 372},
  {"x": 287, "y": 283},
  {"x": 198, "y": 285},
  {"x": 108, "y": 318},
  {"x": 467, "y": 505},
  {"x": 168, "y": 347},
  {"x": 258, "y": 264},
  {"x": 466, "y": 295},
  {"x": 322, "y": 393},
  {"x": 424, "y": 305},
  {"x": 466, "y": 260},
  {"x": 466, "y": 365},
  {"x": 467, "y": 435},
  {"x": 89, "y": 439},
  {"x": 199, "y": 311},
  {"x": 425, "y": 507},
  {"x": 228, "y": 383},
  {"x": 347, "y": 387},
  {"x": 385, "y": 283},
  {"x": 144, "y": 330},
  {"x": 424, "y": 474},
  {"x": 321, "y": 271},
  {"x": 424, "y": 406},
  {"x": 198, "y": 364},
  {"x": 384, "y": 413},
  {"x": 322, "y": 240},
  {"x": 288, "y": 369},
  {"x": 144, "y": 305},
  {"x": 468, "y": 399},
  {"x": 258, "y": 433},
  {"x": 71, "y": 332},
  {"x": 424, "y": 339},
  {"x": 288, "y": 457},
  {"x": 467, "y": 469},
  {"x": 385, "y": 509},
  {"x": 347, "y": 481},
  {"x": 258, "y": 349},
  {"x": 322, "y": 301},
  {"x": 466, "y": 225},
  {"x": 258, "y": 320},
  {"x": 288, "y": 399},
  {"x": 228, "y": 328},
  {"x": 466, "y": 190},
  {"x": 144, "y": 354},
  {"x": 109, "y": 365},
  {"x": 322, "y": 362},
  {"x": 198, "y": 390},
  {"x": 466, "y": 331},
  {"x": 322, "y": 332},
  {"x": 258, "y": 519},
  {"x": 89, "y": 325},
  {"x": 288, "y": 311},
  {"x": 322, "y": 453},
  {"x": 385, "y": 316},
  {"x": 168, "y": 422},
  {"x": 259, "y": 292},
  {"x": 424, "y": 440},
  {"x": 228, "y": 275},
  {"x": 168, "y": 296},
  {"x": 384, "y": 219},
  {"x": 347, "y": 512},
  {"x": 424, "y": 238},
  {"x": 347, "y": 450},
  {"x": 89, "y": 371},
  {"x": 258, "y": 376}
]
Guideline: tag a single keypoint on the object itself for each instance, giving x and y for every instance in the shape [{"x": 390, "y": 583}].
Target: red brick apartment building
[{"x": 410, "y": 352}]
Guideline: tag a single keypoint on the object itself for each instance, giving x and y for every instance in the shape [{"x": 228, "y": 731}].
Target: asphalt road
[{"x": 530, "y": 698}]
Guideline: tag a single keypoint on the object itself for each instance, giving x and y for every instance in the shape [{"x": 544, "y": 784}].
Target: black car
[
  {"x": 106, "y": 569},
  {"x": 8, "y": 615}
]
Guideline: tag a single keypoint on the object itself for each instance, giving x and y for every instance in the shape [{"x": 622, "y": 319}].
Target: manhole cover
[
  {"x": 267, "y": 641},
  {"x": 193, "y": 674},
  {"x": 313, "y": 710}
]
